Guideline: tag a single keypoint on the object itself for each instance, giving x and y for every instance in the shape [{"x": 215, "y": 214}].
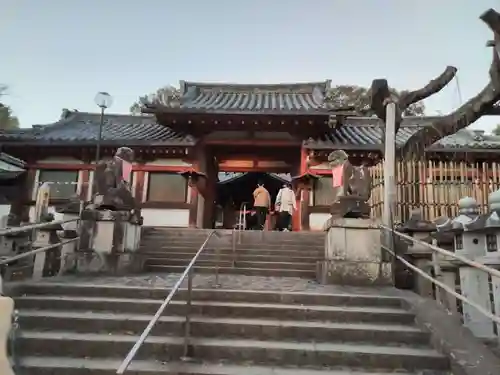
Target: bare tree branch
[
  {"x": 470, "y": 111},
  {"x": 381, "y": 93},
  {"x": 434, "y": 86}
]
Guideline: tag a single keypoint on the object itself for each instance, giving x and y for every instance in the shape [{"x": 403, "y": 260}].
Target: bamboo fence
[{"x": 435, "y": 187}]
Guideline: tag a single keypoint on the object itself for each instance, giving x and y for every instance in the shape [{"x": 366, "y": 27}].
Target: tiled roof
[
  {"x": 83, "y": 127},
  {"x": 268, "y": 98},
  {"x": 357, "y": 133},
  {"x": 366, "y": 133},
  {"x": 11, "y": 160}
]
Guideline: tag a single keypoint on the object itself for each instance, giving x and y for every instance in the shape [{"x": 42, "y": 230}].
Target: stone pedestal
[
  {"x": 109, "y": 241},
  {"x": 6, "y": 311},
  {"x": 47, "y": 263},
  {"x": 353, "y": 254}
]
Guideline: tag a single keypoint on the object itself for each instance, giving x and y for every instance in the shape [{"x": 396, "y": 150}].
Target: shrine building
[{"x": 199, "y": 155}]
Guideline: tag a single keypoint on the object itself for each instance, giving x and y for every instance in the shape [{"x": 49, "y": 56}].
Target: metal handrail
[
  {"x": 242, "y": 220},
  {"x": 443, "y": 286},
  {"x": 36, "y": 251},
  {"x": 25, "y": 228},
  {"x": 187, "y": 272},
  {"x": 29, "y": 227}
]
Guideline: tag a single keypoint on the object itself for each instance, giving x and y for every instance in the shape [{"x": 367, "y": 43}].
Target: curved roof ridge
[{"x": 228, "y": 86}]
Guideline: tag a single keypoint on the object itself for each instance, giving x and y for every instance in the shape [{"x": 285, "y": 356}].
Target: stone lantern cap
[
  {"x": 468, "y": 211},
  {"x": 417, "y": 224},
  {"x": 443, "y": 233},
  {"x": 489, "y": 221}
]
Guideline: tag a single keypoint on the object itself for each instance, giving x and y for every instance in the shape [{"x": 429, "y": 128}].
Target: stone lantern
[
  {"x": 421, "y": 255},
  {"x": 452, "y": 230},
  {"x": 485, "y": 235}
]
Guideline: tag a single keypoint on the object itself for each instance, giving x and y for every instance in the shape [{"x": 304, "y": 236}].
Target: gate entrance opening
[{"x": 235, "y": 194}]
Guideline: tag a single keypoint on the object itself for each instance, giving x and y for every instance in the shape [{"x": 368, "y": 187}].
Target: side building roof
[
  {"x": 82, "y": 128},
  {"x": 366, "y": 134},
  {"x": 360, "y": 133}
]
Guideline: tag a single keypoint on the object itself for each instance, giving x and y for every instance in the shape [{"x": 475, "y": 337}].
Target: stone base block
[
  {"x": 89, "y": 263},
  {"x": 356, "y": 273}
]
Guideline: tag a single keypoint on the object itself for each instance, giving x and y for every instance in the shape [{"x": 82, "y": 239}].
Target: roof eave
[
  {"x": 107, "y": 143},
  {"x": 195, "y": 111}
]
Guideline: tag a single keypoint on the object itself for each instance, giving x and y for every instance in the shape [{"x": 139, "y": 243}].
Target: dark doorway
[{"x": 236, "y": 189}]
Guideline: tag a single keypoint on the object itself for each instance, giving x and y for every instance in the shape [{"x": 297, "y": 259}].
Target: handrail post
[
  {"x": 187, "y": 352},
  {"x": 233, "y": 244},
  {"x": 217, "y": 260}
]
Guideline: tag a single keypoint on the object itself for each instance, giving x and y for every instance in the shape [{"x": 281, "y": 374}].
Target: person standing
[
  {"x": 261, "y": 203},
  {"x": 285, "y": 205}
]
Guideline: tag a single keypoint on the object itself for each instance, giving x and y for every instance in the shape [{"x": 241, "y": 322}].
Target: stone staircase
[
  {"x": 74, "y": 329},
  {"x": 292, "y": 254}
]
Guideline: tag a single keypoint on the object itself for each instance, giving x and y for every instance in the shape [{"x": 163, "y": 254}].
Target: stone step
[
  {"x": 271, "y": 236},
  {"x": 213, "y": 295},
  {"x": 244, "y": 252},
  {"x": 86, "y": 366},
  {"x": 313, "y": 354},
  {"x": 339, "y": 314},
  {"x": 227, "y": 249},
  {"x": 255, "y": 329},
  {"x": 240, "y": 264},
  {"x": 183, "y": 232},
  {"x": 275, "y": 272},
  {"x": 164, "y": 243},
  {"x": 247, "y": 256}
]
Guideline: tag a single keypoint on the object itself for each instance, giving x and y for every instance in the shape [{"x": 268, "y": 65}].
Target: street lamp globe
[{"x": 103, "y": 100}]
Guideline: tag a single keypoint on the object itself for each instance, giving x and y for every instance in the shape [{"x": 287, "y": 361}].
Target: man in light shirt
[{"x": 285, "y": 205}]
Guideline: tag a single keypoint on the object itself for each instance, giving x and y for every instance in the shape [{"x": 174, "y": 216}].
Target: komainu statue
[
  {"x": 352, "y": 187},
  {"x": 112, "y": 183}
]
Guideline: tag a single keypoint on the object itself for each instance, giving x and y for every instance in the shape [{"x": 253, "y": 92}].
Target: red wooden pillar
[
  {"x": 139, "y": 177},
  {"x": 303, "y": 185},
  {"x": 193, "y": 208},
  {"x": 197, "y": 184},
  {"x": 84, "y": 190},
  {"x": 298, "y": 217}
]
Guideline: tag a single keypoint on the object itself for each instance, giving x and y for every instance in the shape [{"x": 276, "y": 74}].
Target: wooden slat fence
[{"x": 435, "y": 187}]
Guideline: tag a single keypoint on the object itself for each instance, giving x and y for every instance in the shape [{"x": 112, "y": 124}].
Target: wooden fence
[{"x": 435, "y": 187}]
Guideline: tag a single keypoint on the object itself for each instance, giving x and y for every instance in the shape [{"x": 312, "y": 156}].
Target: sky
[{"x": 58, "y": 53}]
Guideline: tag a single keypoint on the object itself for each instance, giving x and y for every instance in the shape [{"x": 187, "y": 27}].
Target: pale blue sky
[{"x": 59, "y": 53}]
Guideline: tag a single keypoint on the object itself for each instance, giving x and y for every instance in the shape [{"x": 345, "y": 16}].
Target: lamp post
[{"x": 103, "y": 101}]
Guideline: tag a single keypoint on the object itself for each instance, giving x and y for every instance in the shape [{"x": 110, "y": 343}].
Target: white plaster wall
[
  {"x": 165, "y": 217},
  {"x": 317, "y": 220}
]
